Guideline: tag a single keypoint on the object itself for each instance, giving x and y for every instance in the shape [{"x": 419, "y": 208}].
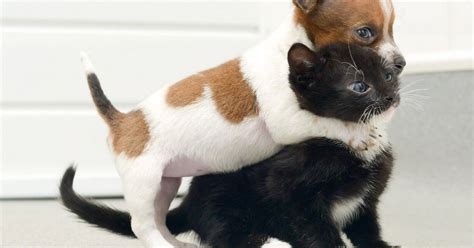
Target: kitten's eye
[
  {"x": 359, "y": 87},
  {"x": 365, "y": 33},
  {"x": 388, "y": 77}
]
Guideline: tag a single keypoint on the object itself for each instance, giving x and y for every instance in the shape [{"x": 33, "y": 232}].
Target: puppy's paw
[{"x": 363, "y": 137}]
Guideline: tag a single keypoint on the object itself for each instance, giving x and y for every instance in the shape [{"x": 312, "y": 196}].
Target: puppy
[
  {"x": 307, "y": 193},
  {"x": 236, "y": 114}
]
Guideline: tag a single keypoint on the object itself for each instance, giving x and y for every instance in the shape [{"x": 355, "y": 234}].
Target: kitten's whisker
[
  {"x": 412, "y": 83},
  {"x": 413, "y": 104},
  {"x": 413, "y": 90},
  {"x": 367, "y": 113},
  {"x": 418, "y": 96},
  {"x": 361, "y": 119},
  {"x": 352, "y": 57},
  {"x": 348, "y": 64}
]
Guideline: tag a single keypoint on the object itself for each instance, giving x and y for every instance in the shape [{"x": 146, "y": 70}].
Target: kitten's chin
[
  {"x": 384, "y": 117},
  {"x": 387, "y": 116}
]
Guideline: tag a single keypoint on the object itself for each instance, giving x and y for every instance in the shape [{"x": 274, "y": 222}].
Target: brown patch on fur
[
  {"x": 233, "y": 97},
  {"x": 334, "y": 21},
  {"x": 130, "y": 133},
  {"x": 186, "y": 91}
]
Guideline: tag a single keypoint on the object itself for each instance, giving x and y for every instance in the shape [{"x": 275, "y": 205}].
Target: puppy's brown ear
[
  {"x": 306, "y": 5},
  {"x": 301, "y": 59}
]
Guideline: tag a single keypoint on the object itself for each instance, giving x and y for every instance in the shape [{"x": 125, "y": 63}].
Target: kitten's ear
[
  {"x": 302, "y": 59},
  {"x": 306, "y": 5}
]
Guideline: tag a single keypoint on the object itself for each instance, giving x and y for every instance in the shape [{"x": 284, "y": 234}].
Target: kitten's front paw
[{"x": 363, "y": 138}]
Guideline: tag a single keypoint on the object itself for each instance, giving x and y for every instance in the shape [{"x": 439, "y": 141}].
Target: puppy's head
[
  {"x": 345, "y": 82},
  {"x": 362, "y": 22}
]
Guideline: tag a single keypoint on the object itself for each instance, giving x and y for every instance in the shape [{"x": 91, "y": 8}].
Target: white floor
[{"x": 45, "y": 223}]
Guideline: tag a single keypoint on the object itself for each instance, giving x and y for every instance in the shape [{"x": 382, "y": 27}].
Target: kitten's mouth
[
  {"x": 396, "y": 102},
  {"x": 383, "y": 115}
]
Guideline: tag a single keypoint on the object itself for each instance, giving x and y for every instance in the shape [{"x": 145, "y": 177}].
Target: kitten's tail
[
  {"x": 105, "y": 217},
  {"x": 102, "y": 103},
  {"x": 102, "y": 216}
]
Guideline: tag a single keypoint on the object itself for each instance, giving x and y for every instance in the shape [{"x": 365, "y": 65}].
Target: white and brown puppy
[{"x": 236, "y": 114}]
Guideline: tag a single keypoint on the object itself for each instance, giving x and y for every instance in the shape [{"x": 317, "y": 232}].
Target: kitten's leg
[
  {"x": 238, "y": 241},
  {"x": 364, "y": 230},
  {"x": 230, "y": 231},
  {"x": 141, "y": 178},
  {"x": 315, "y": 233}
]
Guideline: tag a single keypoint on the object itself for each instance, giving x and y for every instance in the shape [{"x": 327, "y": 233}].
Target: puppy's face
[
  {"x": 346, "y": 82},
  {"x": 362, "y": 22}
]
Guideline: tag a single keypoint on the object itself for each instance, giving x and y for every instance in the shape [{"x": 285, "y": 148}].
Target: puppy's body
[{"x": 233, "y": 115}]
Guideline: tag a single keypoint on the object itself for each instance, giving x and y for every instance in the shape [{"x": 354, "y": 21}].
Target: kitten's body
[{"x": 304, "y": 195}]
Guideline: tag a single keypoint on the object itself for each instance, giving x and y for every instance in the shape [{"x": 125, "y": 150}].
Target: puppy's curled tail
[
  {"x": 113, "y": 220},
  {"x": 102, "y": 103}
]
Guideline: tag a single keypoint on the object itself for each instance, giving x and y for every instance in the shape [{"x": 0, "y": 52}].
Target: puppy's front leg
[{"x": 299, "y": 125}]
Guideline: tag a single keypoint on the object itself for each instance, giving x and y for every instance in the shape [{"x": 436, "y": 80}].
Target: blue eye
[
  {"x": 388, "y": 77},
  {"x": 359, "y": 87},
  {"x": 365, "y": 33}
]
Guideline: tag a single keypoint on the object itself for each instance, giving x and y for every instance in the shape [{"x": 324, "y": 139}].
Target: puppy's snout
[{"x": 399, "y": 63}]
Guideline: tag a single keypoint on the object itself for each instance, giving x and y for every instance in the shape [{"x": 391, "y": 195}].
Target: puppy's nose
[{"x": 399, "y": 63}]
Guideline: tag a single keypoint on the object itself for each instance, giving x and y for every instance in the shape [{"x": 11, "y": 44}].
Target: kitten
[{"x": 307, "y": 193}]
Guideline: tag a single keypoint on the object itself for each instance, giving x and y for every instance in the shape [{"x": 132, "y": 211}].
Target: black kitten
[
  {"x": 307, "y": 193},
  {"x": 342, "y": 82}
]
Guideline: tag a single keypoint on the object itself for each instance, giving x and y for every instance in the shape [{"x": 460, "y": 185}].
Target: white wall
[{"x": 48, "y": 120}]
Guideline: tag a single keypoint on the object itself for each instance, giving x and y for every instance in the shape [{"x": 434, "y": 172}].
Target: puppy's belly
[{"x": 185, "y": 167}]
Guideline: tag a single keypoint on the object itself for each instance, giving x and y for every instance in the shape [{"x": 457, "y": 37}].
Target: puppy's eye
[
  {"x": 388, "y": 77},
  {"x": 359, "y": 87},
  {"x": 365, "y": 33}
]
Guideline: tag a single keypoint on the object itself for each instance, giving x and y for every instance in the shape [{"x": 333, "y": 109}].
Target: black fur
[
  {"x": 99, "y": 215},
  {"x": 102, "y": 103},
  {"x": 290, "y": 195},
  {"x": 321, "y": 81}
]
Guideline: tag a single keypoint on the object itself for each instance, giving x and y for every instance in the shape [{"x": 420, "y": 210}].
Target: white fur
[
  {"x": 86, "y": 62},
  {"x": 266, "y": 68},
  {"x": 388, "y": 49},
  {"x": 344, "y": 211},
  {"x": 200, "y": 136}
]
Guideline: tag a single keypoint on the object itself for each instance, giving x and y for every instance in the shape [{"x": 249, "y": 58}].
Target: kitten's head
[{"x": 347, "y": 82}]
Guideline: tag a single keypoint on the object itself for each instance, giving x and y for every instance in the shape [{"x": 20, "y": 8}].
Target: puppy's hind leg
[
  {"x": 169, "y": 189},
  {"x": 141, "y": 178}
]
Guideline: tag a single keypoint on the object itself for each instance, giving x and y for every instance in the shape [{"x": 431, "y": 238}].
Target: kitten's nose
[
  {"x": 399, "y": 63},
  {"x": 394, "y": 100}
]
